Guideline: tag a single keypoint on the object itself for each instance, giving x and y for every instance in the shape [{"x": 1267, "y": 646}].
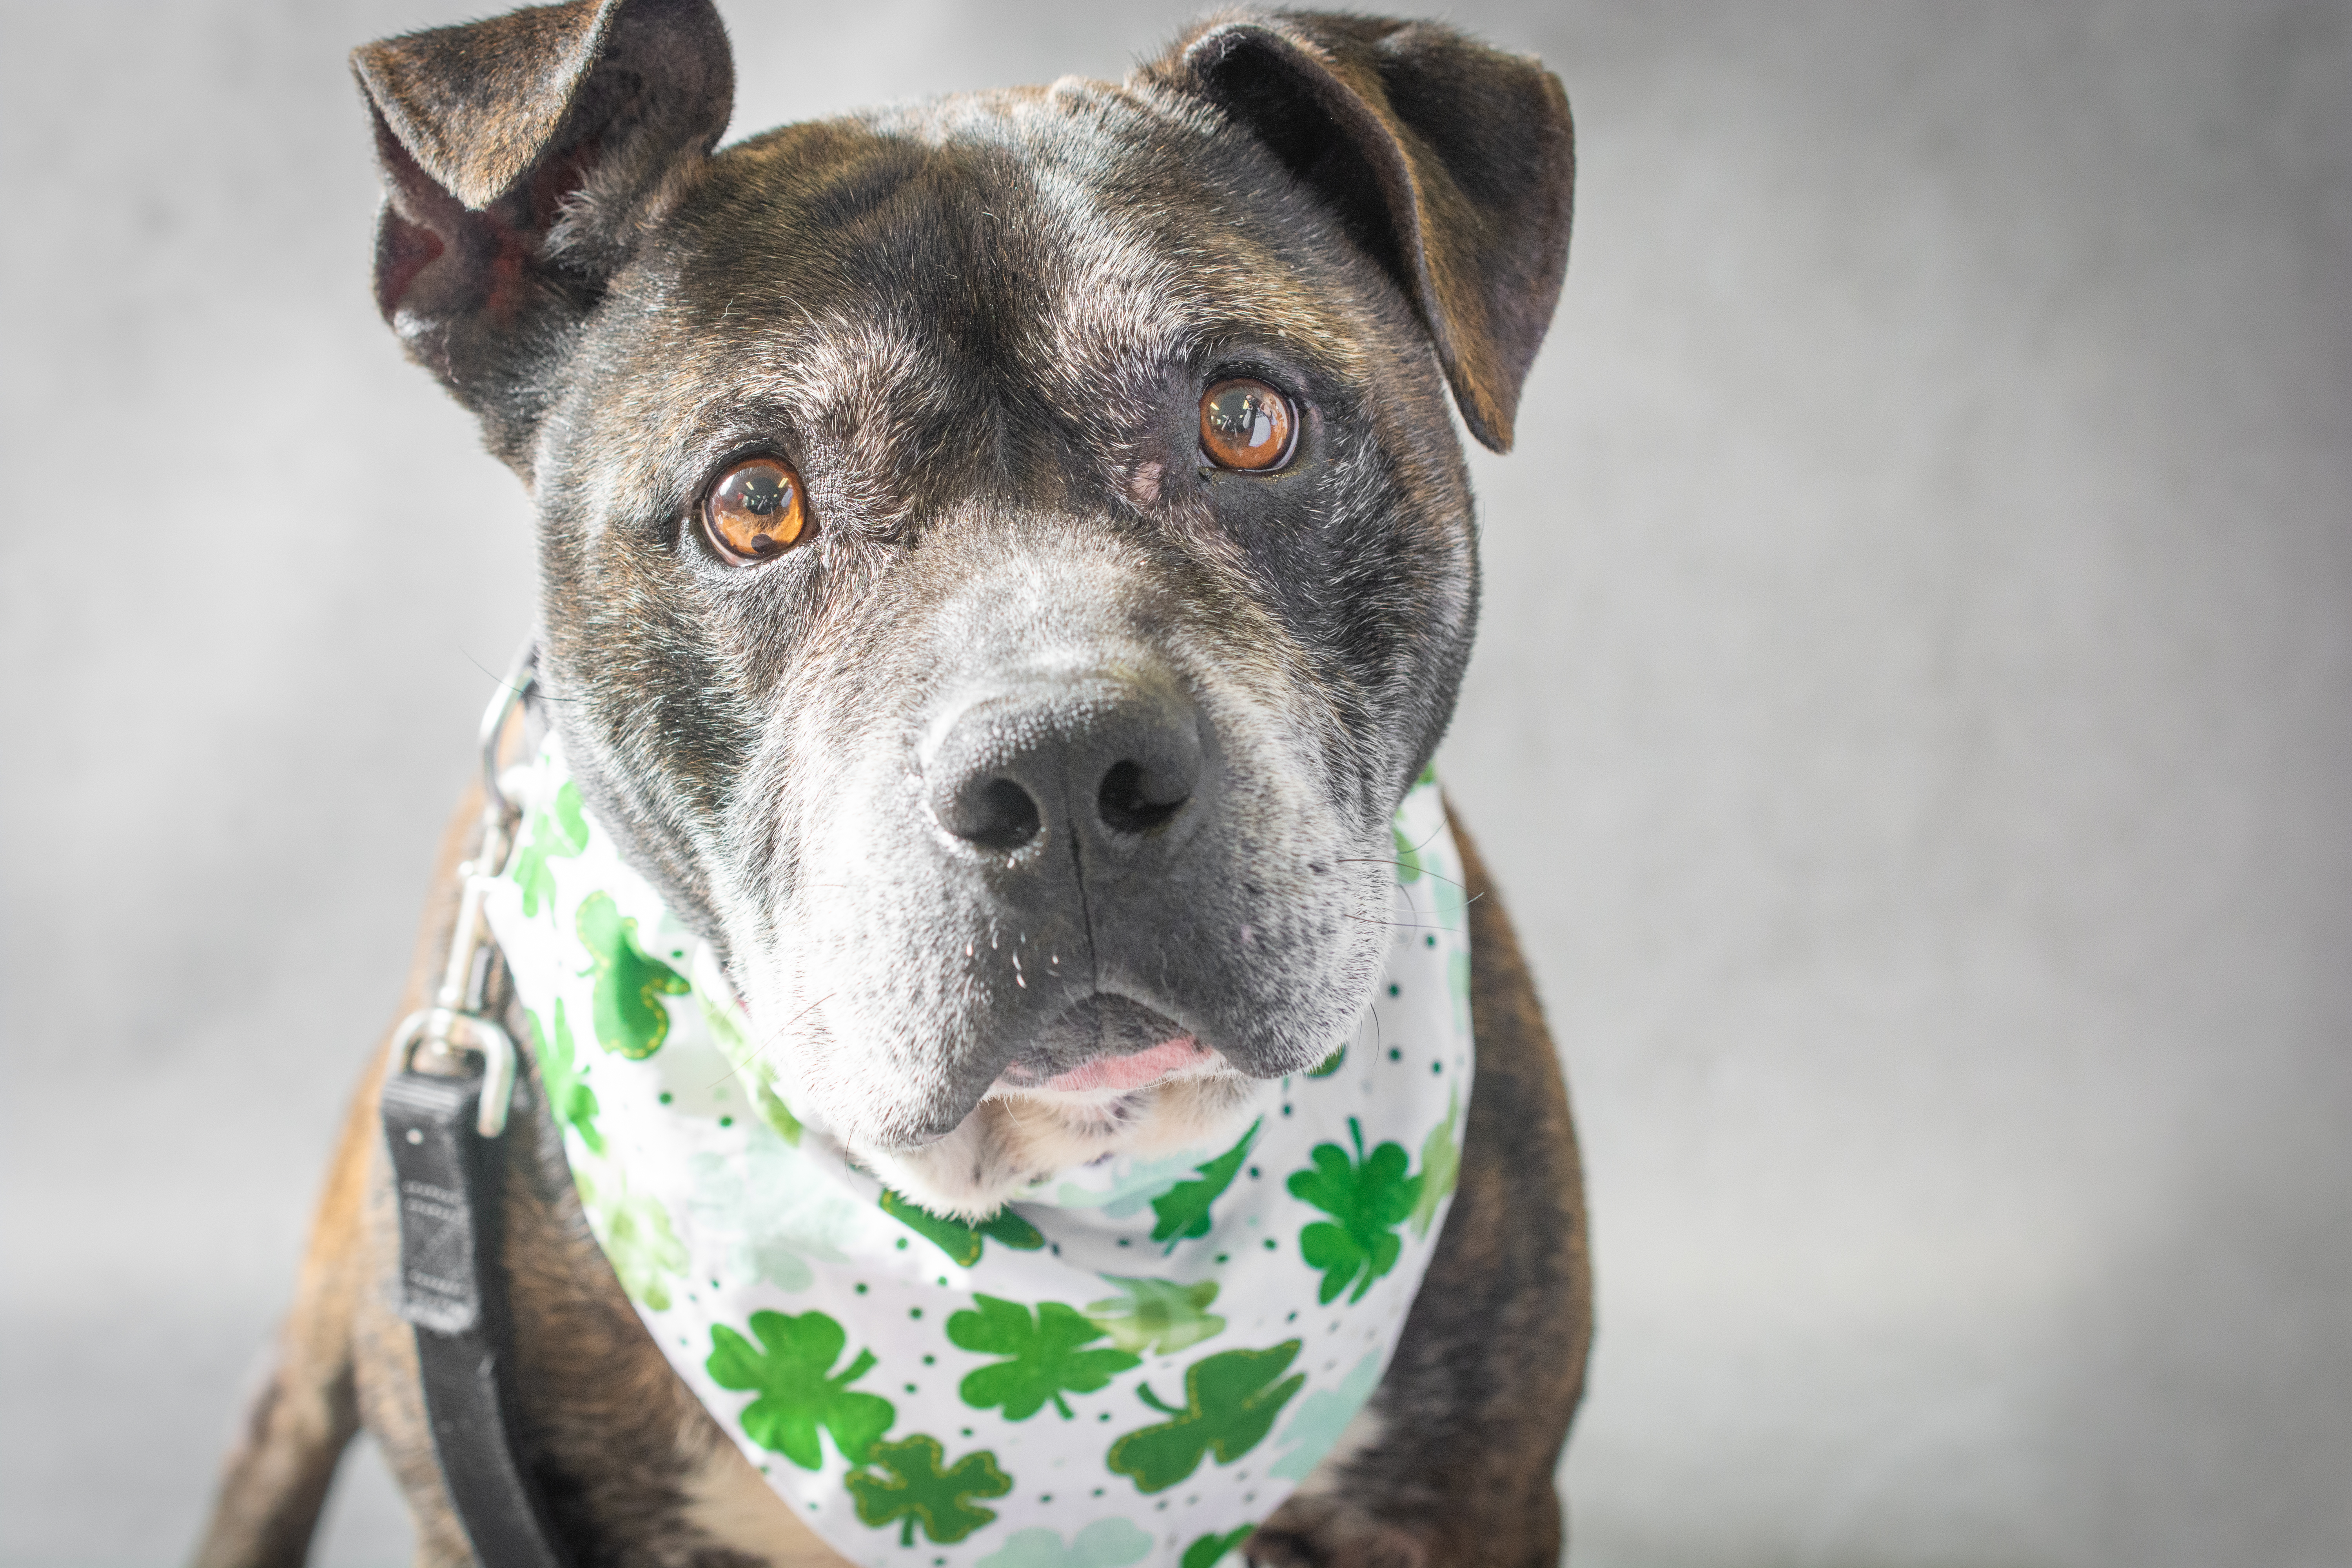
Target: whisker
[
  {"x": 499, "y": 679},
  {"x": 1376, "y": 860},
  {"x": 1411, "y": 925},
  {"x": 773, "y": 1036}
]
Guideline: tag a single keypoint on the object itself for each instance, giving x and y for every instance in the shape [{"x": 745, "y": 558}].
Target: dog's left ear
[
  {"x": 524, "y": 157},
  {"x": 1455, "y": 164}
]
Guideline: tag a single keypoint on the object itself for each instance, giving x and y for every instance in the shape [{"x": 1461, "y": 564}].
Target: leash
[{"x": 446, "y": 1135}]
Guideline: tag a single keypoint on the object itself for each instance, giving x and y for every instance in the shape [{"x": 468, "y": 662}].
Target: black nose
[{"x": 1107, "y": 758}]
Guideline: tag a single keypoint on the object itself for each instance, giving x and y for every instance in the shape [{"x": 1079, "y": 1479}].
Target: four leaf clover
[
  {"x": 629, "y": 1016},
  {"x": 1230, "y": 1402},
  {"x": 568, "y": 1094},
  {"x": 1441, "y": 1165},
  {"x": 560, "y": 830},
  {"x": 960, "y": 1241},
  {"x": 1046, "y": 1359},
  {"x": 1370, "y": 1197},
  {"x": 1156, "y": 1314},
  {"x": 791, "y": 1372},
  {"x": 917, "y": 1489},
  {"x": 1183, "y": 1209}
]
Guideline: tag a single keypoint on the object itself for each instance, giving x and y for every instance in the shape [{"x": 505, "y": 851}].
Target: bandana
[{"x": 1135, "y": 1362}]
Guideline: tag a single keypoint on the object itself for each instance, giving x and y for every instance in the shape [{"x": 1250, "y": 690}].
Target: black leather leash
[{"x": 446, "y": 1135}]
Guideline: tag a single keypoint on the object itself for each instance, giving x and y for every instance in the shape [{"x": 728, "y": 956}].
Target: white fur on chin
[{"x": 1017, "y": 1138}]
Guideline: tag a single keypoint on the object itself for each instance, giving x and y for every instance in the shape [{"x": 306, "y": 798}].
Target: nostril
[
  {"x": 996, "y": 813},
  {"x": 1127, "y": 799}
]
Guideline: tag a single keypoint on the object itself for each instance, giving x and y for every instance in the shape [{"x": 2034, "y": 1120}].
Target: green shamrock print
[
  {"x": 634, "y": 1230},
  {"x": 568, "y": 1095},
  {"x": 791, "y": 1372},
  {"x": 1441, "y": 1165},
  {"x": 1315, "y": 1426},
  {"x": 628, "y": 980},
  {"x": 960, "y": 1241},
  {"x": 1157, "y": 1315},
  {"x": 562, "y": 832},
  {"x": 1331, "y": 1064},
  {"x": 1046, "y": 1361},
  {"x": 726, "y": 1033},
  {"x": 1408, "y": 856},
  {"x": 918, "y": 1489},
  {"x": 1106, "y": 1544},
  {"x": 1228, "y": 1408},
  {"x": 1183, "y": 1209},
  {"x": 1370, "y": 1198},
  {"x": 1209, "y": 1550}
]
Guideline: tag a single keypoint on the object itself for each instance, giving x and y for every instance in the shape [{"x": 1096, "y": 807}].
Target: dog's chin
[{"x": 1030, "y": 1127}]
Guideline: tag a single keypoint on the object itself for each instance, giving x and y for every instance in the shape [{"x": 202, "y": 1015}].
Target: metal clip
[
  {"x": 453, "y": 1031},
  {"x": 454, "y": 1022}
]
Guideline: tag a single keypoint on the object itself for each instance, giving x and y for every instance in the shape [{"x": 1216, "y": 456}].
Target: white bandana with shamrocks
[{"x": 1135, "y": 1363}]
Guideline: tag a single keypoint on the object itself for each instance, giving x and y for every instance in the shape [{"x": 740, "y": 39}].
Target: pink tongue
[{"x": 1132, "y": 1072}]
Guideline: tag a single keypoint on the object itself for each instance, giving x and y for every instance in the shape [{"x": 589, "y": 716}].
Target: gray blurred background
[{"x": 1913, "y": 724}]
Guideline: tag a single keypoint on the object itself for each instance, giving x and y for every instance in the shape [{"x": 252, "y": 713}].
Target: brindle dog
[{"x": 1030, "y": 511}]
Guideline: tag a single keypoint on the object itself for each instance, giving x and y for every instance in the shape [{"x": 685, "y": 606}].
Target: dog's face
[{"x": 1004, "y": 560}]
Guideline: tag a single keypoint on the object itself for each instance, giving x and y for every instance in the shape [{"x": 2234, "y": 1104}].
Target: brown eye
[
  {"x": 756, "y": 512},
  {"x": 1246, "y": 425}
]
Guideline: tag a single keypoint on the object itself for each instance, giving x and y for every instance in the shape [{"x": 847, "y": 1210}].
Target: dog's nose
[{"x": 1111, "y": 759}]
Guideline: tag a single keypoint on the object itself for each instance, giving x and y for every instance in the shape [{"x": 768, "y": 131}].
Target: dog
[{"x": 1034, "y": 510}]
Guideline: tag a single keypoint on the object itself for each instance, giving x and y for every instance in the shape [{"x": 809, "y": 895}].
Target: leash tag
[{"x": 428, "y": 1125}]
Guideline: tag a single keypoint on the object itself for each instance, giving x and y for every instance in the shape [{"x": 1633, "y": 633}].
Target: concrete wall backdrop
[{"x": 1913, "y": 724}]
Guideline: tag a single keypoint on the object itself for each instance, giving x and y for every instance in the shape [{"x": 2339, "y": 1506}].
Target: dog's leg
[
  {"x": 276, "y": 1478},
  {"x": 1453, "y": 1461}
]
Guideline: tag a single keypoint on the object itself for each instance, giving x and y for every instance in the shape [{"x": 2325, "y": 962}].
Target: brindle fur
[{"x": 978, "y": 327}]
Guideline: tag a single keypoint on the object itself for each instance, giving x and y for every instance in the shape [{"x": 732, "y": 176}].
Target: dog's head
[{"x": 1002, "y": 559}]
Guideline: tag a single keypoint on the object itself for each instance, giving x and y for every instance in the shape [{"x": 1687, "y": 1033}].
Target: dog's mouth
[{"x": 1107, "y": 1045}]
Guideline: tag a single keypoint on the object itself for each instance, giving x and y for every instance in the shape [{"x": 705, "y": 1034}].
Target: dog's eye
[
  {"x": 1246, "y": 425},
  {"x": 756, "y": 512}
]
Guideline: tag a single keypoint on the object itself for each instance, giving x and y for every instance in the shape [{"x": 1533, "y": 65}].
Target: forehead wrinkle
[
  {"x": 841, "y": 391},
  {"x": 1149, "y": 289}
]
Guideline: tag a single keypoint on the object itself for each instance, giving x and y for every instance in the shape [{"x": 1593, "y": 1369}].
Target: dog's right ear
[{"x": 523, "y": 157}]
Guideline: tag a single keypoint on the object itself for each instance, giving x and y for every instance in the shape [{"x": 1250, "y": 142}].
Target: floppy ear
[
  {"x": 1453, "y": 164},
  {"x": 523, "y": 158}
]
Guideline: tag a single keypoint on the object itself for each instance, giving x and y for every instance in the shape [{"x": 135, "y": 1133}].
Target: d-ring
[{"x": 464, "y": 1032}]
